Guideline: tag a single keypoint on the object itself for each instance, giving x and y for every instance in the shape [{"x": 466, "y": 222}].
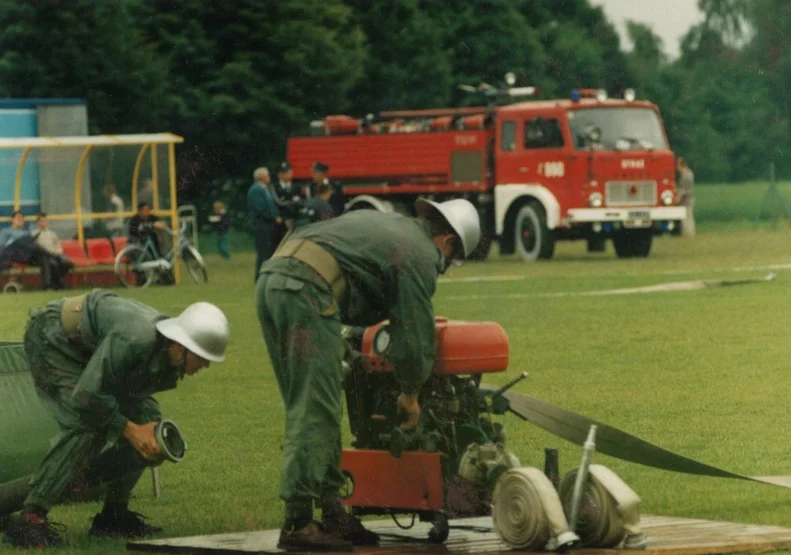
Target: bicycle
[{"x": 144, "y": 264}]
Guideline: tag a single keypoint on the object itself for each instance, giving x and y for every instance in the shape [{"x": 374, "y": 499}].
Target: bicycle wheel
[
  {"x": 195, "y": 265},
  {"x": 130, "y": 267}
]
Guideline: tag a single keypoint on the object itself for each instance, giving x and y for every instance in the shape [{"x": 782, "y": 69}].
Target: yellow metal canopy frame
[{"x": 146, "y": 141}]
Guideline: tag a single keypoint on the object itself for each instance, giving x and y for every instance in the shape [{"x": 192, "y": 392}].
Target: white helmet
[
  {"x": 202, "y": 328},
  {"x": 461, "y": 215}
]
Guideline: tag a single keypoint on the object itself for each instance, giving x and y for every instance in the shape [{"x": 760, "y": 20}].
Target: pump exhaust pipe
[{"x": 172, "y": 445}]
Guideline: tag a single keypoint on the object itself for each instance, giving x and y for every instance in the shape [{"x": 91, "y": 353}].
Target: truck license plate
[{"x": 637, "y": 218}]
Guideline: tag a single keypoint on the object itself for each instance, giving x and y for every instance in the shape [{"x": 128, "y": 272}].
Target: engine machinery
[
  {"x": 455, "y": 464},
  {"x": 456, "y": 448}
]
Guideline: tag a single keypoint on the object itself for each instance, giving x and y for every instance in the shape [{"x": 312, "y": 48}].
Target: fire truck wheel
[
  {"x": 482, "y": 250},
  {"x": 597, "y": 244},
  {"x": 633, "y": 243},
  {"x": 533, "y": 239}
]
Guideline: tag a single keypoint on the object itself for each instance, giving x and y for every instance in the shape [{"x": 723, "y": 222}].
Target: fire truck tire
[
  {"x": 597, "y": 244},
  {"x": 633, "y": 243},
  {"x": 532, "y": 237},
  {"x": 482, "y": 250}
]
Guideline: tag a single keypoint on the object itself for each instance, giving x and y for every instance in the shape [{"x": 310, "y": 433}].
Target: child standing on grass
[{"x": 222, "y": 224}]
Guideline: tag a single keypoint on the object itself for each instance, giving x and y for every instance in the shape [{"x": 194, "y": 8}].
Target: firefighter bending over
[
  {"x": 96, "y": 360},
  {"x": 357, "y": 269}
]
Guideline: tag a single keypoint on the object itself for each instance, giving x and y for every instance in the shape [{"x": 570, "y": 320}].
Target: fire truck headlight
[
  {"x": 595, "y": 200},
  {"x": 629, "y": 95},
  {"x": 667, "y": 197}
]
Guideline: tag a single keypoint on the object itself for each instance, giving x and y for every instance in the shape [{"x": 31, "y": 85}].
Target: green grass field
[{"x": 702, "y": 373}]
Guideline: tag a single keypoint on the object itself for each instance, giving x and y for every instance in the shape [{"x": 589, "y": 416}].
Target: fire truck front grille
[{"x": 630, "y": 193}]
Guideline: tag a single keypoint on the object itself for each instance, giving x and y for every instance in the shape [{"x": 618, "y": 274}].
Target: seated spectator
[
  {"x": 49, "y": 241},
  {"x": 16, "y": 231},
  {"x": 143, "y": 226},
  {"x": 314, "y": 209},
  {"x": 17, "y": 245}
]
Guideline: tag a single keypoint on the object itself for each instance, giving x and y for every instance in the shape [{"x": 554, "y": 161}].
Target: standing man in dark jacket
[
  {"x": 285, "y": 189},
  {"x": 320, "y": 171},
  {"x": 264, "y": 217},
  {"x": 358, "y": 269},
  {"x": 96, "y": 360},
  {"x": 287, "y": 195}
]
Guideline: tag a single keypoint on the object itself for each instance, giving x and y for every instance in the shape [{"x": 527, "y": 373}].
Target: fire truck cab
[{"x": 583, "y": 168}]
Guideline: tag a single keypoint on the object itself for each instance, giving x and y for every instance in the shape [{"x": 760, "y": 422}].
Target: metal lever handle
[{"x": 510, "y": 384}]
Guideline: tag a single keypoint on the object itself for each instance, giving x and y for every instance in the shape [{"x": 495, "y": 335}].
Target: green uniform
[
  {"x": 390, "y": 266},
  {"x": 92, "y": 382}
]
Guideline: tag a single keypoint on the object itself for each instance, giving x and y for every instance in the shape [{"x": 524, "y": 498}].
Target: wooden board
[{"x": 666, "y": 536}]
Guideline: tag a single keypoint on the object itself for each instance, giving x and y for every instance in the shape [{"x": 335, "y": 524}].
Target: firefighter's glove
[
  {"x": 143, "y": 439},
  {"x": 408, "y": 411}
]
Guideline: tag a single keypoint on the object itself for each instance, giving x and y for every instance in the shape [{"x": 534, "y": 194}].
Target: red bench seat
[
  {"x": 76, "y": 253},
  {"x": 100, "y": 250}
]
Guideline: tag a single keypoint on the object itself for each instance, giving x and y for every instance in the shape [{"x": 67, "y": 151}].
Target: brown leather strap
[
  {"x": 71, "y": 316},
  {"x": 318, "y": 258}
]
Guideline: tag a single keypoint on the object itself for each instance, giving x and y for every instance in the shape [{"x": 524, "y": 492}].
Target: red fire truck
[{"x": 587, "y": 167}]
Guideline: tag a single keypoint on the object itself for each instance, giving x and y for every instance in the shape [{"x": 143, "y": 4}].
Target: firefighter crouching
[
  {"x": 357, "y": 269},
  {"x": 95, "y": 361}
]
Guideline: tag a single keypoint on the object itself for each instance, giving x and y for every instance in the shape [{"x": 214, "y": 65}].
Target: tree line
[{"x": 236, "y": 78}]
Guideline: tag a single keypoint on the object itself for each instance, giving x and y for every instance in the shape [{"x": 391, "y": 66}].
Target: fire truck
[{"x": 587, "y": 167}]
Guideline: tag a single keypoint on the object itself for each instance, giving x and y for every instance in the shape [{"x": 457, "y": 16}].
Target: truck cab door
[
  {"x": 545, "y": 155},
  {"x": 508, "y": 153}
]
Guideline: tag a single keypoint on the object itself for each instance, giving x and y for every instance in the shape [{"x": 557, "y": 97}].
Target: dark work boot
[
  {"x": 121, "y": 524},
  {"x": 349, "y": 528},
  {"x": 33, "y": 531},
  {"x": 311, "y": 538}
]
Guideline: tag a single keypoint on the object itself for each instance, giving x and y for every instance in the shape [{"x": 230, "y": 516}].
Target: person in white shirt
[
  {"x": 116, "y": 225},
  {"x": 685, "y": 186},
  {"x": 48, "y": 240}
]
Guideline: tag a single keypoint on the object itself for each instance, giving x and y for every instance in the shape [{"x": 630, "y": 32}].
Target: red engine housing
[
  {"x": 462, "y": 348},
  {"x": 410, "y": 482}
]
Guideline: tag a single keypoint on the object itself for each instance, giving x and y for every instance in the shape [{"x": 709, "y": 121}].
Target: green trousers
[
  {"x": 302, "y": 329},
  {"x": 81, "y": 453}
]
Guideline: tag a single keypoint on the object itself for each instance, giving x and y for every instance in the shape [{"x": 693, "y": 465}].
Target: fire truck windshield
[{"x": 622, "y": 128}]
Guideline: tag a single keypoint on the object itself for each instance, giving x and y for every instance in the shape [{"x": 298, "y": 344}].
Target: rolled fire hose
[
  {"x": 574, "y": 427},
  {"x": 527, "y": 513},
  {"x": 610, "y": 512}
]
